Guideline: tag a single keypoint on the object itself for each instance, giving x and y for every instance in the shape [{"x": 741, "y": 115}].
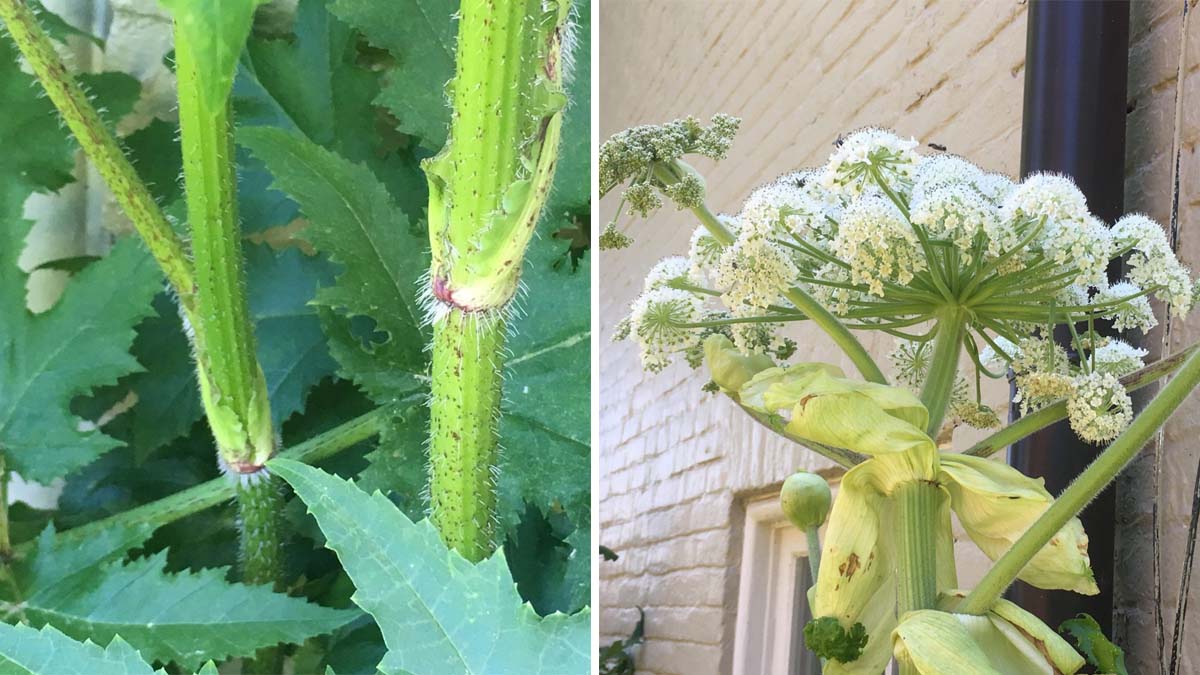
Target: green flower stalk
[
  {"x": 233, "y": 389},
  {"x": 487, "y": 188},
  {"x": 102, "y": 148}
]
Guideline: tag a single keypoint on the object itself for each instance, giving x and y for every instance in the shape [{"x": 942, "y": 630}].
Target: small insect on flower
[{"x": 865, "y": 155}]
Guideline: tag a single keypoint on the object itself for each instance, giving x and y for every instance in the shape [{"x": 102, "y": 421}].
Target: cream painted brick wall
[
  {"x": 1157, "y": 44},
  {"x": 676, "y": 465}
]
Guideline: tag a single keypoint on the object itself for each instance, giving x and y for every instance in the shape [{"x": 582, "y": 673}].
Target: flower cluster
[
  {"x": 648, "y": 158},
  {"x": 887, "y": 239}
]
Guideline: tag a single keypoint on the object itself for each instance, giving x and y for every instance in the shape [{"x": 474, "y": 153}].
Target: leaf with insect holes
[
  {"x": 353, "y": 219},
  {"x": 84, "y": 590},
  {"x": 291, "y": 348},
  {"x": 469, "y": 616},
  {"x": 79, "y": 344},
  {"x": 420, "y": 35}
]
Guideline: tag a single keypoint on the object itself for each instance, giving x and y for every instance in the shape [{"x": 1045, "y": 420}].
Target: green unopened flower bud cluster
[{"x": 648, "y": 159}]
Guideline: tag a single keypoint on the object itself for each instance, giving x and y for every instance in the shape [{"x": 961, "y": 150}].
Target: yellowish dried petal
[{"x": 996, "y": 504}]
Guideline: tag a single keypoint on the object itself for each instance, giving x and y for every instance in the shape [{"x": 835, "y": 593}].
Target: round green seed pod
[{"x": 805, "y": 499}]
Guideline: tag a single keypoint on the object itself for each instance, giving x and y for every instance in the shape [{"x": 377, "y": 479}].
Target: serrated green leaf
[
  {"x": 439, "y": 614},
  {"x": 37, "y": 151},
  {"x": 29, "y": 651},
  {"x": 420, "y": 34},
  {"x": 1095, "y": 646},
  {"x": 291, "y": 348},
  {"x": 113, "y": 93},
  {"x": 353, "y": 219},
  {"x": 572, "y": 179},
  {"x": 186, "y": 618},
  {"x": 79, "y": 344}
]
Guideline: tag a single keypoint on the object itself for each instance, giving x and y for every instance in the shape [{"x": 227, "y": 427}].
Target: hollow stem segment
[
  {"x": 917, "y": 507},
  {"x": 102, "y": 148},
  {"x": 1085, "y": 488},
  {"x": 465, "y": 393},
  {"x": 487, "y": 188},
  {"x": 232, "y": 385},
  {"x": 943, "y": 366}
]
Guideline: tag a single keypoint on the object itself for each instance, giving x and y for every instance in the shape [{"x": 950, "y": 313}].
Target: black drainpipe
[{"x": 1076, "y": 58}]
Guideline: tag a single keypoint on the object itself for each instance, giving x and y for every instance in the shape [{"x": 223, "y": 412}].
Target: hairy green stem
[
  {"x": 838, "y": 332},
  {"x": 260, "y": 502},
  {"x": 1057, "y": 411},
  {"x": 220, "y": 490},
  {"x": 487, "y": 188},
  {"x": 5, "y": 542},
  {"x": 1085, "y": 488},
  {"x": 102, "y": 148},
  {"x": 231, "y": 382},
  {"x": 943, "y": 366},
  {"x": 464, "y": 404}
]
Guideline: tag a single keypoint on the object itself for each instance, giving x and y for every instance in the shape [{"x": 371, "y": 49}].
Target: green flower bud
[{"x": 805, "y": 499}]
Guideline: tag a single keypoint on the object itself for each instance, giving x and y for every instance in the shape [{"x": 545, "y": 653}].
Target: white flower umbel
[
  {"x": 1129, "y": 313},
  {"x": 1118, "y": 358},
  {"x": 865, "y": 154},
  {"x": 668, "y": 269},
  {"x": 1152, "y": 263},
  {"x": 753, "y": 272},
  {"x": 957, "y": 213},
  {"x": 878, "y": 243},
  {"x": 995, "y": 187},
  {"x": 1086, "y": 245},
  {"x": 1099, "y": 409},
  {"x": 704, "y": 251},
  {"x": 1047, "y": 195},
  {"x": 938, "y": 171},
  {"x": 655, "y": 323},
  {"x": 779, "y": 209}
]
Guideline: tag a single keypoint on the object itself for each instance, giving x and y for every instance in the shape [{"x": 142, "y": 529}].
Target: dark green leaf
[
  {"x": 1090, "y": 640},
  {"x": 353, "y": 219},
  {"x": 828, "y": 639},
  {"x": 185, "y": 618},
  {"x": 421, "y": 35}
]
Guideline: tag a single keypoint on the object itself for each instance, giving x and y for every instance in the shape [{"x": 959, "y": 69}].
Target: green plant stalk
[
  {"x": 813, "y": 537},
  {"x": 1055, "y": 412},
  {"x": 5, "y": 542},
  {"x": 232, "y": 385},
  {"x": 220, "y": 490},
  {"x": 916, "y": 505},
  {"x": 1085, "y": 488},
  {"x": 466, "y": 391},
  {"x": 823, "y": 318},
  {"x": 943, "y": 366},
  {"x": 102, "y": 148},
  {"x": 486, "y": 192}
]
